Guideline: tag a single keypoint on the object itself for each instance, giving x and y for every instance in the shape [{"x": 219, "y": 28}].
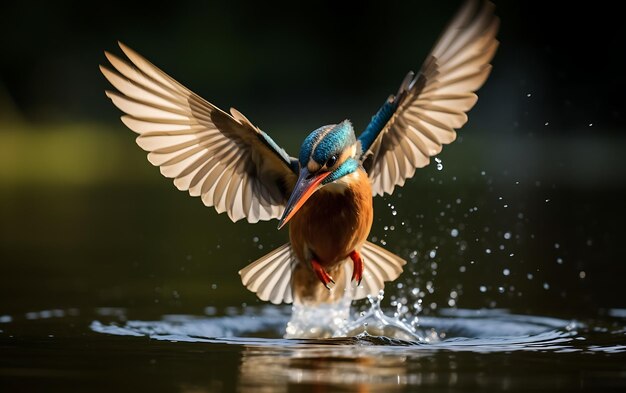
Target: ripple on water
[{"x": 478, "y": 331}]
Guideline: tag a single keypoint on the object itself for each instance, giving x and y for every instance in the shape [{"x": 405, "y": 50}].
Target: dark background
[
  {"x": 85, "y": 220},
  {"x": 323, "y": 61}
]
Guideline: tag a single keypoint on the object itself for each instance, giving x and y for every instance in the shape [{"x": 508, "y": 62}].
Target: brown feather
[{"x": 329, "y": 226}]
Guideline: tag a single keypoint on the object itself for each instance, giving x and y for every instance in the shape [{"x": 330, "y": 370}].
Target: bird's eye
[{"x": 331, "y": 161}]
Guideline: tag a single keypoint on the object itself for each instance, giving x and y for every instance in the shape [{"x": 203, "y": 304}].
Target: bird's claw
[
  {"x": 357, "y": 272},
  {"x": 324, "y": 277}
]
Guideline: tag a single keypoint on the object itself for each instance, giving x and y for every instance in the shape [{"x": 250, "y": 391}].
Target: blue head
[{"x": 326, "y": 155}]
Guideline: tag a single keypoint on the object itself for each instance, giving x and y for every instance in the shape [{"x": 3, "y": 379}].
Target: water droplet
[
  {"x": 507, "y": 235},
  {"x": 528, "y": 95},
  {"x": 557, "y": 245},
  {"x": 501, "y": 289},
  {"x": 506, "y": 272},
  {"x": 529, "y": 276},
  {"x": 590, "y": 124},
  {"x": 559, "y": 261},
  {"x": 454, "y": 232},
  {"x": 488, "y": 251},
  {"x": 546, "y": 286},
  {"x": 547, "y": 123},
  {"x": 483, "y": 288},
  {"x": 462, "y": 269},
  {"x": 432, "y": 253},
  {"x": 255, "y": 239},
  {"x": 582, "y": 274}
]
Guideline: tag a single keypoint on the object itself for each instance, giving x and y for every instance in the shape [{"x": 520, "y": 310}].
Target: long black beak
[{"x": 305, "y": 187}]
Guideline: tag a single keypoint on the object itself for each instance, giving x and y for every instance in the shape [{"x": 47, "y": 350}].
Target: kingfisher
[{"x": 326, "y": 193}]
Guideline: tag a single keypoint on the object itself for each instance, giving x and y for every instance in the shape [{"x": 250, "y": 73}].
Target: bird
[{"x": 325, "y": 194}]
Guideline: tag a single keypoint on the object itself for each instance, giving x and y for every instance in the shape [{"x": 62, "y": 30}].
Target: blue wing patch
[{"x": 379, "y": 120}]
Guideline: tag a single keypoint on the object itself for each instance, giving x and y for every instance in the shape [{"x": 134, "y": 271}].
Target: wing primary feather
[
  {"x": 197, "y": 144},
  {"x": 433, "y": 103}
]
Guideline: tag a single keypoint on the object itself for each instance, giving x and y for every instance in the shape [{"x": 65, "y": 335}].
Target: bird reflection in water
[{"x": 325, "y": 365}]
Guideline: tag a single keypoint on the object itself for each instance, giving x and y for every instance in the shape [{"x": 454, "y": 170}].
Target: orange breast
[{"x": 334, "y": 221}]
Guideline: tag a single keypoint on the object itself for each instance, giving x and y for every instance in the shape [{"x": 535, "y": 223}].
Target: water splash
[
  {"x": 335, "y": 320},
  {"x": 321, "y": 321},
  {"x": 375, "y": 323}
]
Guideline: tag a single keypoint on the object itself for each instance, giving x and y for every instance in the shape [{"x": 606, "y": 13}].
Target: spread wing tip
[
  {"x": 189, "y": 139},
  {"x": 432, "y": 105}
]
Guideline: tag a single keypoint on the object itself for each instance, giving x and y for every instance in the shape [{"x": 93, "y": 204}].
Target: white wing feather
[
  {"x": 220, "y": 157},
  {"x": 436, "y": 102}
]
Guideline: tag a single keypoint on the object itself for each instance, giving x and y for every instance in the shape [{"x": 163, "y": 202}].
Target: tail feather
[
  {"x": 270, "y": 276},
  {"x": 380, "y": 266}
]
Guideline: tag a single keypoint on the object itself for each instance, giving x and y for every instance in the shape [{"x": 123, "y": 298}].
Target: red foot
[
  {"x": 357, "y": 272},
  {"x": 321, "y": 274}
]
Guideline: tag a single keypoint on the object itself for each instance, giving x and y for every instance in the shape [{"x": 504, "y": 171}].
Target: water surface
[{"x": 108, "y": 349}]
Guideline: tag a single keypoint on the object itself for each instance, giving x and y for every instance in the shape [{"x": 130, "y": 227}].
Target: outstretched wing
[
  {"x": 413, "y": 125},
  {"x": 221, "y": 157}
]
